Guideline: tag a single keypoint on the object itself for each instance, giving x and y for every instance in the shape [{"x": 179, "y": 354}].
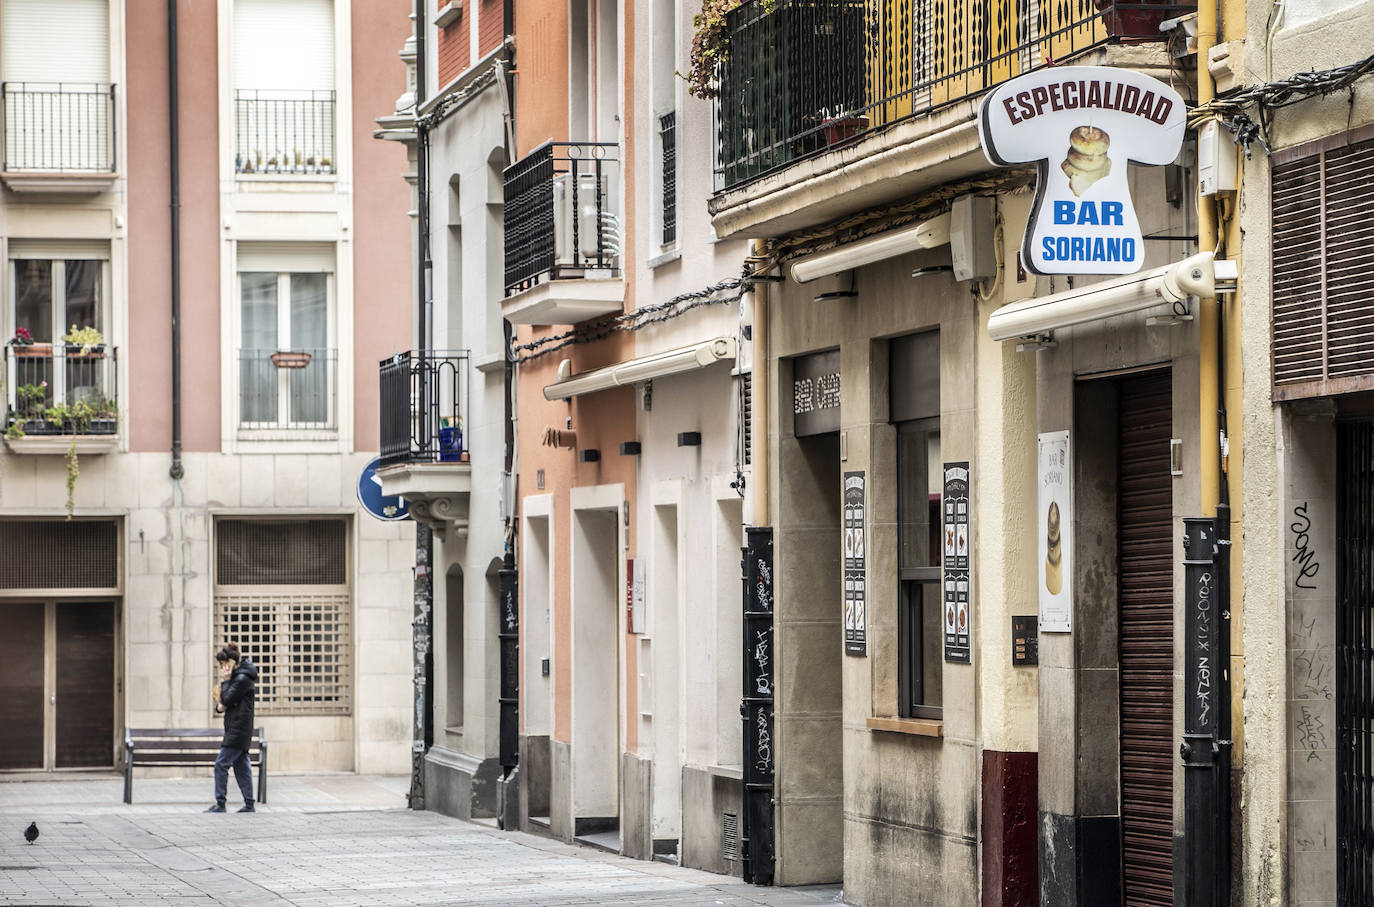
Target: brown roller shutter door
[
  {"x": 1145, "y": 554},
  {"x": 21, "y": 685}
]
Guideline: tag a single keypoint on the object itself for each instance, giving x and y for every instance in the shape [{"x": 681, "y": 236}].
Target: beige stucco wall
[
  {"x": 910, "y": 803},
  {"x": 166, "y": 611}
]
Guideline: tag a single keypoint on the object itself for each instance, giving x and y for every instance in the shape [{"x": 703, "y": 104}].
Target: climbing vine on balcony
[{"x": 711, "y": 43}]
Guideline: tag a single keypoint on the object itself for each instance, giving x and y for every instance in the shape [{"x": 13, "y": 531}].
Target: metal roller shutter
[
  {"x": 1355, "y": 662},
  {"x": 57, "y": 42},
  {"x": 284, "y": 45},
  {"x": 1145, "y": 556}
]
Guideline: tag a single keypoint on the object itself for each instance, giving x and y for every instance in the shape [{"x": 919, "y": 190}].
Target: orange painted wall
[
  {"x": 455, "y": 49},
  {"x": 382, "y": 230},
  {"x": 541, "y": 82},
  {"x": 602, "y": 420},
  {"x": 149, "y": 393}
]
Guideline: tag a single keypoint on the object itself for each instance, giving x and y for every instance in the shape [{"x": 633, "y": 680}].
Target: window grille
[
  {"x": 746, "y": 409},
  {"x": 667, "y": 132},
  {"x": 281, "y": 594},
  {"x": 59, "y": 554},
  {"x": 301, "y": 644},
  {"x": 280, "y": 552}
]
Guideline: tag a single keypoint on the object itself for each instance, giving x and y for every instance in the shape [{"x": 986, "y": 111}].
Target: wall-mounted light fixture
[
  {"x": 629, "y": 448},
  {"x": 590, "y": 455},
  {"x": 689, "y": 439}
]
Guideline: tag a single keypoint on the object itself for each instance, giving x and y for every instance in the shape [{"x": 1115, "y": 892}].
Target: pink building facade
[{"x": 157, "y": 496}]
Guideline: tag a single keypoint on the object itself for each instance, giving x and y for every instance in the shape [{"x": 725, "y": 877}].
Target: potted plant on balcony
[
  {"x": 75, "y": 419},
  {"x": 711, "y": 44},
  {"x": 450, "y": 440},
  {"x": 291, "y": 359},
  {"x": 26, "y": 347},
  {"x": 84, "y": 342},
  {"x": 842, "y": 126}
]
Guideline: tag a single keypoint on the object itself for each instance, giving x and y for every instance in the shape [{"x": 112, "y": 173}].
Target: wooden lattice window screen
[
  {"x": 301, "y": 642},
  {"x": 1323, "y": 267},
  {"x": 299, "y": 632}
]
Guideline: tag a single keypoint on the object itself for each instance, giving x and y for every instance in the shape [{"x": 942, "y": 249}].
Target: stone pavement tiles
[{"x": 328, "y": 840}]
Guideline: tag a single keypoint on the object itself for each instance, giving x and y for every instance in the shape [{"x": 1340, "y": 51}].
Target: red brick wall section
[
  {"x": 490, "y": 26},
  {"x": 1011, "y": 862},
  {"x": 455, "y": 47}
]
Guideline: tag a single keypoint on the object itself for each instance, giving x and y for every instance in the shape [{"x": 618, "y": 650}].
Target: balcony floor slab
[
  {"x": 57, "y": 183},
  {"x": 438, "y": 493},
  {"x": 60, "y": 444},
  {"x": 570, "y": 301}
]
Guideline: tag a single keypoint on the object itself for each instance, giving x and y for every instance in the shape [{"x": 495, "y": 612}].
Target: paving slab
[{"x": 321, "y": 840}]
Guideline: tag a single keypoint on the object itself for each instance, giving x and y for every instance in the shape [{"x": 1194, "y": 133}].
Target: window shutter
[
  {"x": 296, "y": 257},
  {"x": 1323, "y": 259},
  {"x": 57, "y": 42},
  {"x": 284, "y": 45}
]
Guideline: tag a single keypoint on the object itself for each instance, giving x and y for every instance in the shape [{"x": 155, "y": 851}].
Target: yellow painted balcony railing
[{"x": 810, "y": 75}]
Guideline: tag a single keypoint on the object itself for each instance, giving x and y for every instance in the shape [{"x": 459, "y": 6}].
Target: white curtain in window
[
  {"x": 257, "y": 375},
  {"x": 283, "y": 45},
  {"x": 56, "y": 42}
]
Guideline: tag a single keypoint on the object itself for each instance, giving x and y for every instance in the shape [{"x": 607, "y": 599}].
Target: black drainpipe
[
  {"x": 176, "y": 471},
  {"x": 422, "y": 624}
]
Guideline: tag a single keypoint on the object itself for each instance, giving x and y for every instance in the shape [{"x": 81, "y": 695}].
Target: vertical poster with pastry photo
[
  {"x": 958, "y": 562},
  {"x": 1053, "y": 530},
  {"x": 855, "y": 569}
]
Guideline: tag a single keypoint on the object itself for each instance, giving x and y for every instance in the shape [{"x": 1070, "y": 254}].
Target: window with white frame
[
  {"x": 287, "y": 360},
  {"x": 283, "y": 81},
  {"x": 58, "y": 100},
  {"x": 281, "y": 595},
  {"x": 58, "y": 288}
]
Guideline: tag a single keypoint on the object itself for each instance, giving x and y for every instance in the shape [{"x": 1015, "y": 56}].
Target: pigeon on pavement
[{"x": 31, "y": 833}]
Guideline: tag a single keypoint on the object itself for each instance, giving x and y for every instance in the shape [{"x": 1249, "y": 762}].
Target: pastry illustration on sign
[
  {"x": 1087, "y": 161},
  {"x": 1054, "y": 555}
]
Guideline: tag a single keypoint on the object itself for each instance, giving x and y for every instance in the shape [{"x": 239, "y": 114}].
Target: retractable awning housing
[
  {"x": 1199, "y": 275},
  {"x": 671, "y": 362}
]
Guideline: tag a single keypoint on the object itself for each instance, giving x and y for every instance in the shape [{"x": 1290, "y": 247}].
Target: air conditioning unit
[{"x": 597, "y": 232}]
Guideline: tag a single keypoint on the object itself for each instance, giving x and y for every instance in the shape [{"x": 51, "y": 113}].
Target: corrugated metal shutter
[
  {"x": 21, "y": 684},
  {"x": 1145, "y": 565},
  {"x": 284, "y": 45},
  {"x": 1323, "y": 267},
  {"x": 296, "y": 257},
  {"x": 56, "y": 42},
  {"x": 1354, "y": 663},
  {"x": 84, "y": 724}
]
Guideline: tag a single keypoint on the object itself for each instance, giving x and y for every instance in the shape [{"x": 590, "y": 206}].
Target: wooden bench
[{"x": 158, "y": 746}]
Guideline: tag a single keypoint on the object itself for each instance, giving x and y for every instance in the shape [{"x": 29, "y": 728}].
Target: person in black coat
[{"x": 238, "y": 681}]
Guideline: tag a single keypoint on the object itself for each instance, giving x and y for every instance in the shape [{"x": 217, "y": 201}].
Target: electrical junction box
[
  {"x": 972, "y": 248},
  {"x": 1216, "y": 160}
]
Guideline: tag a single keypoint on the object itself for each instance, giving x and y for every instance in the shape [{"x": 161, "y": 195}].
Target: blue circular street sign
[{"x": 382, "y": 506}]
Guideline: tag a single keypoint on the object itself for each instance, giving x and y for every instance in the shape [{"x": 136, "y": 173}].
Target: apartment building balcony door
[{"x": 58, "y": 686}]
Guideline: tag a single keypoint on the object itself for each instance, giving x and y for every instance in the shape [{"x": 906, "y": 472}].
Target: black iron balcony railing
[
  {"x": 810, "y": 75},
  {"x": 295, "y": 390},
  {"x": 61, "y": 390},
  {"x": 561, "y": 216},
  {"x": 59, "y": 127},
  {"x": 424, "y": 395},
  {"x": 283, "y": 132}
]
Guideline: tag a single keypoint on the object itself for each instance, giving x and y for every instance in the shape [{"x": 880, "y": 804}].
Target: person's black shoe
[
  {"x": 247, "y": 808},
  {"x": 217, "y": 808}
]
